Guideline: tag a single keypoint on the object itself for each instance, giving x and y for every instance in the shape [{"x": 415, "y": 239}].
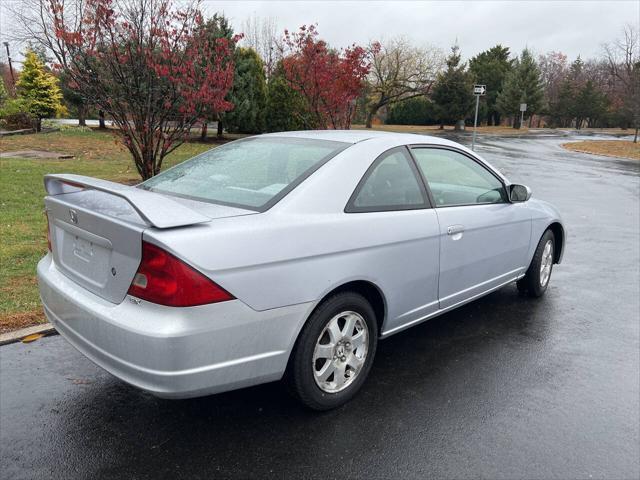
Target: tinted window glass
[
  {"x": 455, "y": 179},
  {"x": 390, "y": 185},
  {"x": 248, "y": 173}
]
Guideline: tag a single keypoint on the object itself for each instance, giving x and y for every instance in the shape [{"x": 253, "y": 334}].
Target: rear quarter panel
[{"x": 306, "y": 245}]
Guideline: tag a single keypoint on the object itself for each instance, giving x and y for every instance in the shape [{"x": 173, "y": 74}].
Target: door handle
[{"x": 455, "y": 229}]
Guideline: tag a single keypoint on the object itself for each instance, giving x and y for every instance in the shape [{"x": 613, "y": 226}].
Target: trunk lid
[{"x": 96, "y": 228}]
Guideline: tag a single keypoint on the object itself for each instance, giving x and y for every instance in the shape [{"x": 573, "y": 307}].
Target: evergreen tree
[
  {"x": 562, "y": 109},
  {"x": 248, "y": 94},
  {"x": 576, "y": 71},
  {"x": 521, "y": 85},
  {"x": 590, "y": 105},
  {"x": 511, "y": 96},
  {"x": 531, "y": 82},
  {"x": 453, "y": 92},
  {"x": 565, "y": 108},
  {"x": 286, "y": 108},
  {"x": 490, "y": 68},
  {"x": 39, "y": 88}
]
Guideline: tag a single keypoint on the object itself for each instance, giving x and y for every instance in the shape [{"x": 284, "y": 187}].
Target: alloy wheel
[
  {"x": 340, "y": 352},
  {"x": 546, "y": 263}
]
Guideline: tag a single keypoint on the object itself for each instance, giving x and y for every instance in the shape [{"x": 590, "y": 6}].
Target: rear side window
[
  {"x": 252, "y": 173},
  {"x": 390, "y": 184}
]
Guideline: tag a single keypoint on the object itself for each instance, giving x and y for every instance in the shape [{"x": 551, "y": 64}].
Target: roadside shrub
[
  {"x": 64, "y": 127},
  {"x": 413, "y": 111},
  {"x": 3, "y": 92},
  {"x": 14, "y": 115},
  {"x": 73, "y": 128}
]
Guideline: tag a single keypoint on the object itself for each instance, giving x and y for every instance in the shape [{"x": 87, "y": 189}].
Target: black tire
[
  {"x": 531, "y": 284},
  {"x": 300, "y": 373}
]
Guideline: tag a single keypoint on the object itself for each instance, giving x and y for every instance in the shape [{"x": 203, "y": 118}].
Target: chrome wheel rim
[
  {"x": 340, "y": 352},
  {"x": 546, "y": 263}
]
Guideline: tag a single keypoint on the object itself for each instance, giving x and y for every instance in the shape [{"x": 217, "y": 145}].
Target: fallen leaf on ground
[
  {"x": 32, "y": 338},
  {"x": 79, "y": 381}
]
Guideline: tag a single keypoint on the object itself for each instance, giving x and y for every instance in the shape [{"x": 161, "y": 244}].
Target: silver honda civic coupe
[{"x": 285, "y": 255}]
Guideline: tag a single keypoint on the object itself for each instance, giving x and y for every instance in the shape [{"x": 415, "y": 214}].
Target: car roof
[
  {"x": 356, "y": 136},
  {"x": 389, "y": 138}
]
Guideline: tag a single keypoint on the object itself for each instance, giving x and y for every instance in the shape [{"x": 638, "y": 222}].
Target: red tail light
[{"x": 164, "y": 279}]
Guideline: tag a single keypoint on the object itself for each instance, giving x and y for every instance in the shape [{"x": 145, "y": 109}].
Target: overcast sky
[{"x": 573, "y": 27}]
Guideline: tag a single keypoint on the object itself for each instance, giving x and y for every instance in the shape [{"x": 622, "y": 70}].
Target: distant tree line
[
  {"x": 602, "y": 92},
  {"x": 158, "y": 70}
]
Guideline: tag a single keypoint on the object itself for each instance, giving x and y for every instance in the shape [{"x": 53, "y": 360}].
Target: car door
[
  {"x": 393, "y": 200},
  {"x": 484, "y": 239}
]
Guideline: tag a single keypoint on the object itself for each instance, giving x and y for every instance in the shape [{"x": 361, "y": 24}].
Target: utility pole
[
  {"x": 478, "y": 91},
  {"x": 13, "y": 79}
]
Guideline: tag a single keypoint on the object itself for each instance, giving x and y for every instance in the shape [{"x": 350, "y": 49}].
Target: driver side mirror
[{"x": 519, "y": 193}]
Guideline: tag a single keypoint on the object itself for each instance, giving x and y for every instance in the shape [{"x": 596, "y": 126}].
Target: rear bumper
[{"x": 172, "y": 352}]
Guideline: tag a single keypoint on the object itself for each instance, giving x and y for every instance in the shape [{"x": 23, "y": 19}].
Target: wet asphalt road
[{"x": 506, "y": 387}]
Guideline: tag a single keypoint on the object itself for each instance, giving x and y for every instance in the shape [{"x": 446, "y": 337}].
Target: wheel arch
[
  {"x": 368, "y": 290},
  {"x": 559, "y": 234}
]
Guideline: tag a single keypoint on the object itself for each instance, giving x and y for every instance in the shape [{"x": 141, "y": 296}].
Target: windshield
[{"x": 251, "y": 173}]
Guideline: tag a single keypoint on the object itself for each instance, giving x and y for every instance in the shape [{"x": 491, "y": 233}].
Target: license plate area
[
  {"x": 100, "y": 252},
  {"x": 83, "y": 249},
  {"x": 83, "y": 254}
]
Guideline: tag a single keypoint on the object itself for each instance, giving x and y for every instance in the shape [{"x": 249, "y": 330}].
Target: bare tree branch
[{"x": 400, "y": 71}]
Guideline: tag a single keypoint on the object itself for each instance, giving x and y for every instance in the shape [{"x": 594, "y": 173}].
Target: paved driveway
[{"x": 506, "y": 387}]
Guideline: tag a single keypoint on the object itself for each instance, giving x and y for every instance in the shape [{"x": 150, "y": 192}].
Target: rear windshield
[{"x": 251, "y": 173}]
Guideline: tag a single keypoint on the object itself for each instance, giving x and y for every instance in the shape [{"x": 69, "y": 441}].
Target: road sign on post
[
  {"x": 523, "y": 108},
  {"x": 478, "y": 90}
]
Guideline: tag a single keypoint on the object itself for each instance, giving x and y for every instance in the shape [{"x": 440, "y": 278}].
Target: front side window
[
  {"x": 252, "y": 173},
  {"x": 390, "y": 184},
  {"x": 455, "y": 179}
]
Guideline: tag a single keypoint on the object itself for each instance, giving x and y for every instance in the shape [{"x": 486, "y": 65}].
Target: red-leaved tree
[
  {"x": 329, "y": 80},
  {"x": 148, "y": 65}
]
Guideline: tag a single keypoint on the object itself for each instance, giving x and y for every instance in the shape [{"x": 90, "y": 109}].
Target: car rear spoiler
[{"x": 155, "y": 209}]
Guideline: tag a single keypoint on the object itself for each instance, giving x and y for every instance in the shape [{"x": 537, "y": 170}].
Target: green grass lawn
[{"x": 23, "y": 224}]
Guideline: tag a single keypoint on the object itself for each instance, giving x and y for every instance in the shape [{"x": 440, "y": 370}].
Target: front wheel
[
  {"x": 334, "y": 352},
  {"x": 536, "y": 280}
]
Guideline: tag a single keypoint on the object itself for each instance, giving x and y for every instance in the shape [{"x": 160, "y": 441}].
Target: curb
[
  {"x": 12, "y": 337},
  {"x": 575, "y": 150}
]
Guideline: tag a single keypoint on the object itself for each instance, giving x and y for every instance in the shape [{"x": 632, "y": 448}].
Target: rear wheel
[
  {"x": 334, "y": 352},
  {"x": 536, "y": 280}
]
